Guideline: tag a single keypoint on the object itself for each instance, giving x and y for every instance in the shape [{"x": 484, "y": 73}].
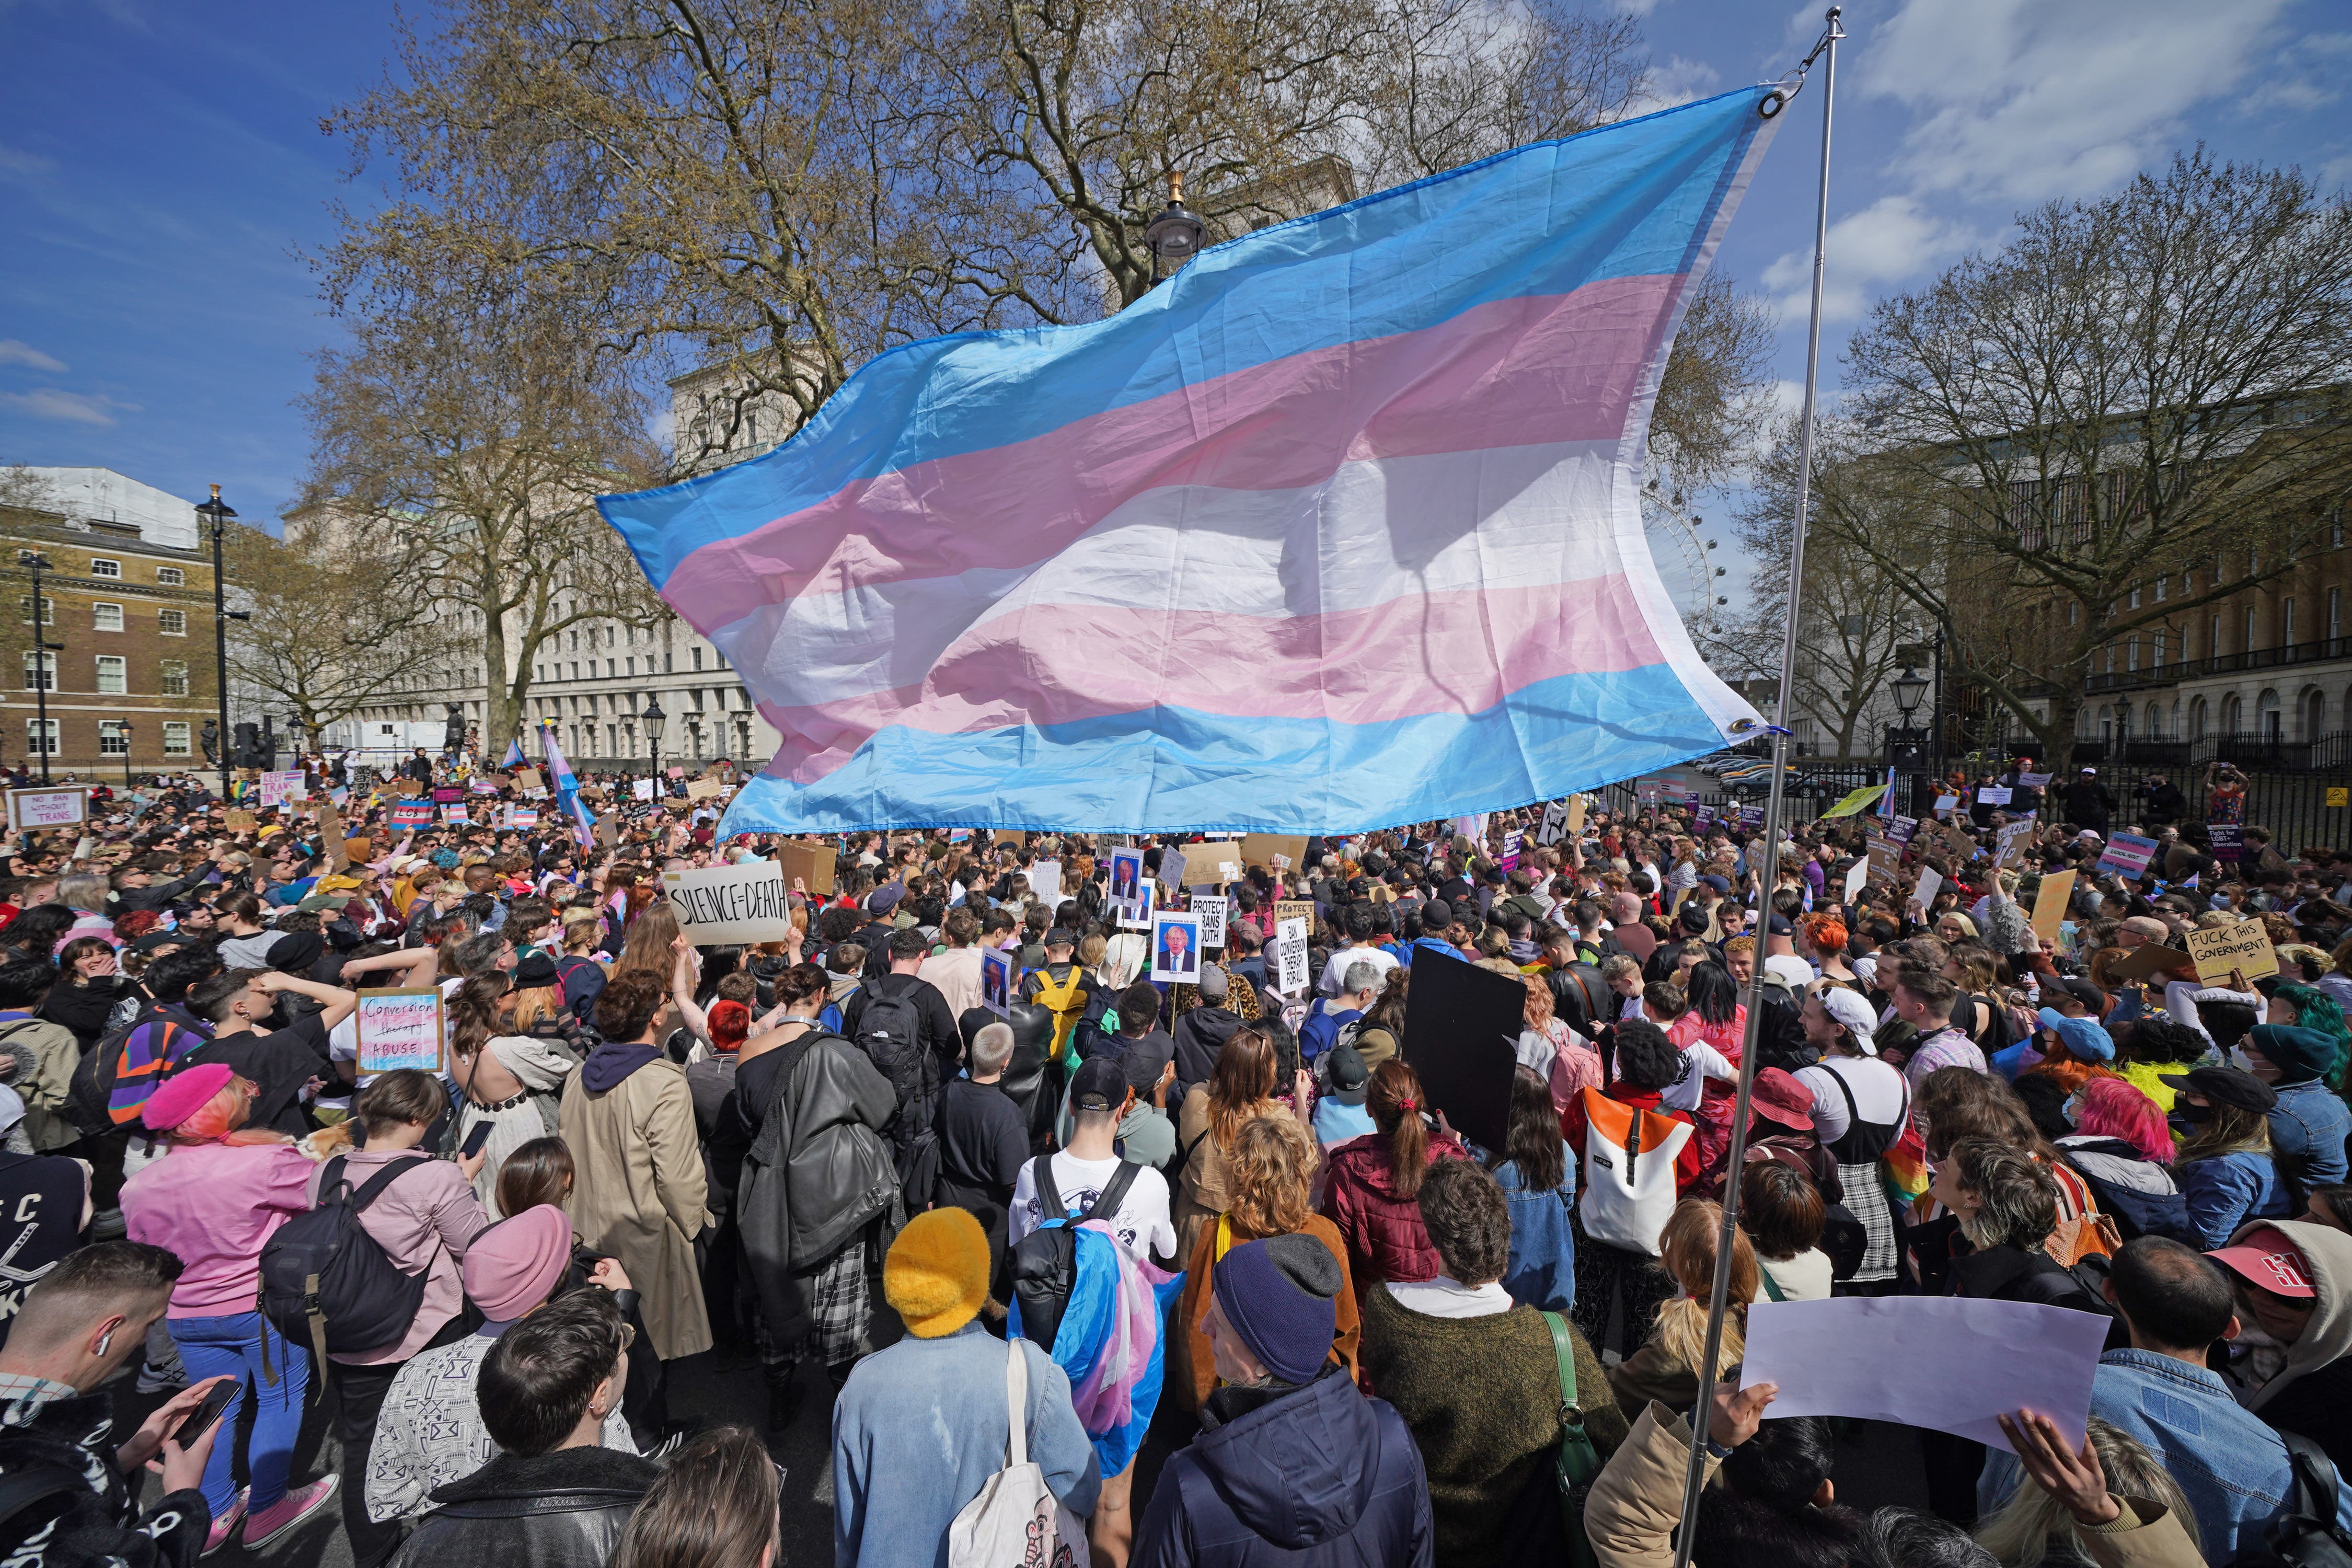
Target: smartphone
[
  {"x": 201, "y": 1418},
  {"x": 476, "y": 1139}
]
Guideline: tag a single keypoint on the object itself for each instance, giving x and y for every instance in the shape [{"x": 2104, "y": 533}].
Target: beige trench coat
[{"x": 640, "y": 1195}]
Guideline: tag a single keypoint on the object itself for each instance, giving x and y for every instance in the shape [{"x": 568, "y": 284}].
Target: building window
[
  {"x": 176, "y": 737},
  {"x": 49, "y": 610},
  {"x": 2335, "y": 614},
  {"x": 171, "y": 576},
  {"x": 2162, "y": 585},
  {"x": 633, "y": 664},
  {"x": 172, "y": 622},
  {"x": 113, "y": 674},
  {"x": 2286, "y": 624},
  {"x": 2158, "y": 662},
  {"x": 2248, "y": 645},
  {"x": 2213, "y": 639},
  {"x": 33, "y": 736},
  {"x": 2135, "y": 598},
  {"x": 2131, "y": 654},
  {"x": 37, "y": 666},
  {"x": 698, "y": 658},
  {"x": 101, "y": 567},
  {"x": 104, "y": 618},
  {"x": 113, "y": 740},
  {"x": 173, "y": 677}
]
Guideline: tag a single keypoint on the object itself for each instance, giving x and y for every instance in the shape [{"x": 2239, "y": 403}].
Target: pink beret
[
  {"x": 184, "y": 1094},
  {"x": 510, "y": 1267}
]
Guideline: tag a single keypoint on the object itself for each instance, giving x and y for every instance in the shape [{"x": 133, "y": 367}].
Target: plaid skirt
[
  {"x": 841, "y": 1311},
  {"x": 1866, "y": 1194}
]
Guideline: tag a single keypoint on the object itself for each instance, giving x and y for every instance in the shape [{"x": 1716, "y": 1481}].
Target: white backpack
[
  {"x": 1016, "y": 1521},
  {"x": 1628, "y": 1196}
]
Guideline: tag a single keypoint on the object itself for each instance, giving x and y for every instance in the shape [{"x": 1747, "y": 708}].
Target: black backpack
[
  {"x": 326, "y": 1281},
  {"x": 2305, "y": 1535},
  {"x": 890, "y": 1033},
  {"x": 1045, "y": 1261}
]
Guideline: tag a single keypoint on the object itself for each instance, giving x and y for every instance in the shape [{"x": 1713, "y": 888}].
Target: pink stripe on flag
[
  {"x": 1517, "y": 372},
  {"x": 1051, "y": 664}
]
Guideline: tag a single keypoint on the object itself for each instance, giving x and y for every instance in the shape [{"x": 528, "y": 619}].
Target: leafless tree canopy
[
  {"x": 790, "y": 190},
  {"x": 2151, "y": 387}
]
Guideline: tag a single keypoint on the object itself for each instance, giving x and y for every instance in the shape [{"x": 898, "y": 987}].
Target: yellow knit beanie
[{"x": 937, "y": 1272}]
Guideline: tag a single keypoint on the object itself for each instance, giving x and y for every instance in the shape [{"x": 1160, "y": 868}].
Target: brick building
[{"x": 127, "y": 604}]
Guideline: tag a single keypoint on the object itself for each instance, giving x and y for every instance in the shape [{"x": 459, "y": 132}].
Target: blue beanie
[
  {"x": 2086, "y": 1039},
  {"x": 1280, "y": 1296}
]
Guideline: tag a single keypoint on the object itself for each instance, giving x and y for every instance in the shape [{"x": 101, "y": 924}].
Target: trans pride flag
[{"x": 1338, "y": 529}]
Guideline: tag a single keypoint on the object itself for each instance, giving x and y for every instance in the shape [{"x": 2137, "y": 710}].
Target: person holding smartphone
[{"x": 78, "y": 1325}]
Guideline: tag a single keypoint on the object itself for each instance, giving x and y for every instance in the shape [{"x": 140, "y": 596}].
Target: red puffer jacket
[{"x": 1386, "y": 1239}]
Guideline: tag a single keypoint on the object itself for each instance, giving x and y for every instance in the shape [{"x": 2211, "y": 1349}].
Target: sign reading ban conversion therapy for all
[{"x": 722, "y": 904}]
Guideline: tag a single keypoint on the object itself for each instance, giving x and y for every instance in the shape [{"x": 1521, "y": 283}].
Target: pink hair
[{"x": 2114, "y": 1108}]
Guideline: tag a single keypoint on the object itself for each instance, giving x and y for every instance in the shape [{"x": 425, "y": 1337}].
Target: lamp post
[
  {"x": 125, "y": 728},
  {"x": 43, "y": 668},
  {"x": 1174, "y": 234},
  {"x": 2122, "y": 727},
  {"x": 653, "y": 716},
  {"x": 219, "y": 514}
]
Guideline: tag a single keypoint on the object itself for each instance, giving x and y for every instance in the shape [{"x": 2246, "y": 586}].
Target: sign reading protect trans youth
[{"x": 727, "y": 904}]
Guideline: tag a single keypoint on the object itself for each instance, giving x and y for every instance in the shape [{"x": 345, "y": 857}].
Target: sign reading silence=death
[{"x": 726, "y": 904}]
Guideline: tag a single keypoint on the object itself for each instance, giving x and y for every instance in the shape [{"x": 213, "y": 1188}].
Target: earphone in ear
[{"x": 105, "y": 1339}]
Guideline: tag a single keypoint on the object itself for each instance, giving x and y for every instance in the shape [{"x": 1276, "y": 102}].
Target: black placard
[{"x": 1462, "y": 1028}]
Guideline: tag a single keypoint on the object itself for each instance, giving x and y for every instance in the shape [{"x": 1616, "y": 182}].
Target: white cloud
[
  {"x": 1674, "y": 81},
  {"x": 66, "y": 407},
  {"x": 16, "y": 161},
  {"x": 14, "y": 353},
  {"x": 2017, "y": 100},
  {"x": 1893, "y": 238}
]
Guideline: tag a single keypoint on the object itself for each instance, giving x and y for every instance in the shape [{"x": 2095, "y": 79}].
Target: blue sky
[{"x": 161, "y": 172}]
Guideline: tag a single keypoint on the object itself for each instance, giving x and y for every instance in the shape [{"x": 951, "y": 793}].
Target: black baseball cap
[
  {"x": 1100, "y": 1084},
  {"x": 1349, "y": 1075},
  {"x": 1060, "y": 937}
]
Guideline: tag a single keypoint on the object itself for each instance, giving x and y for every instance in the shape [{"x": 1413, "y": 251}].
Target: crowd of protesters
[{"x": 1005, "y": 1246}]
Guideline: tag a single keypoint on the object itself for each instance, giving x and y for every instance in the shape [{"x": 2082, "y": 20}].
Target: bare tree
[
  {"x": 336, "y": 622},
  {"x": 2140, "y": 393},
  {"x": 466, "y": 434}
]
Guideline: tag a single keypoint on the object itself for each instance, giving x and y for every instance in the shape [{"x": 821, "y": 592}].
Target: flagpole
[{"x": 1694, "y": 1472}]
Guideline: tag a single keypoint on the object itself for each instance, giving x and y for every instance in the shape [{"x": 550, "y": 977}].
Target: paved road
[{"x": 1876, "y": 1464}]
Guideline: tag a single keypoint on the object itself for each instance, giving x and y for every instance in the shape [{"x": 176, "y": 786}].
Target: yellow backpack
[{"x": 1066, "y": 1000}]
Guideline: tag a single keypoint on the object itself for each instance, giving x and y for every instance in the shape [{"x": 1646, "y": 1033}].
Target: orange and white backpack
[{"x": 1628, "y": 1172}]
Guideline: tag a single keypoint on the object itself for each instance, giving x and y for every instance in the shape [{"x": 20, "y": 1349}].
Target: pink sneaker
[
  {"x": 226, "y": 1526},
  {"x": 286, "y": 1512}
]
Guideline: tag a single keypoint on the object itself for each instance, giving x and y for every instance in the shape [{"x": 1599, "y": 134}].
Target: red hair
[
  {"x": 2111, "y": 1108},
  {"x": 729, "y": 1022}
]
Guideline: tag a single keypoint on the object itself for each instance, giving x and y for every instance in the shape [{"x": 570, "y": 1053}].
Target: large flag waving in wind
[{"x": 1338, "y": 529}]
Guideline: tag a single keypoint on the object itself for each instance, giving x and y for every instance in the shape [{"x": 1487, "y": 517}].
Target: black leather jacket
[{"x": 563, "y": 1510}]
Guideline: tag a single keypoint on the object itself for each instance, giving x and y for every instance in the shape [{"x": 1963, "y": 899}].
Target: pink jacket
[{"x": 215, "y": 1205}]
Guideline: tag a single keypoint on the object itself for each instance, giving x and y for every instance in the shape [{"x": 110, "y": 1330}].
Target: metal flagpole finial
[
  {"x": 1786, "y": 90},
  {"x": 1766, "y": 875}
]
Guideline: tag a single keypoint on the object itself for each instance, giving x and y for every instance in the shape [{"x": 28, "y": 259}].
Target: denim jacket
[
  {"x": 2308, "y": 1130},
  {"x": 2225, "y": 1191},
  {"x": 2231, "y": 1467}
]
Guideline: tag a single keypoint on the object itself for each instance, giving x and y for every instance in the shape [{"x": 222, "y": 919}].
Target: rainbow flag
[{"x": 1339, "y": 528}]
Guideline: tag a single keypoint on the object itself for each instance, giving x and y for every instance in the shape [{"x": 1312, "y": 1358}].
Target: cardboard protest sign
[
  {"x": 1575, "y": 815},
  {"x": 640, "y": 789},
  {"x": 1555, "y": 825},
  {"x": 997, "y": 980},
  {"x": 2150, "y": 959},
  {"x": 1013, "y": 835},
  {"x": 809, "y": 864},
  {"x": 236, "y": 819},
  {"x": 1045, "y": 882},
  {"x": 1214, "y": 865},
  {"x": 1462, "y": 1029},
  {"x": 2245, "y": 947},
  {"x": 2050, "y": 904},
  {"x": 2129, "y": 855},
  {"x": 31, "y": 809},
  {"x": 703, "y": 789},
  {"x": 528, "y": 778},
  {"x": 330, "y": 834},
  {"x": 726, "y": 904},
  {"x": 1275, "y": 851},
  {"x": 2013, "y": 841},
  {"x": 674, "y": 772},
  {"x": 1290, "y": 957},
  {"x": 1171, "y": 867},
  {"x": 1211, "y": 908},
  {"x": 399, "y": 1029},
  {"x": 1295, "y": 910},
  {"x": 277, "y": 788}
]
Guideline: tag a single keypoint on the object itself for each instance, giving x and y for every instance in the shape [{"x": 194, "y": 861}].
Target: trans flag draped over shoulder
[{"x": 1338, "y": 529}]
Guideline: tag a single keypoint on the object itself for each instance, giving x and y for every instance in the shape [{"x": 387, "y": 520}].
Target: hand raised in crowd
[
  {"x": 1736, "y": 1412},
  {"x": 2075, "y": 1480}
]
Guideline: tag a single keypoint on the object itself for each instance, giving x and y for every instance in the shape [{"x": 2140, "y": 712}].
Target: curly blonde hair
[{"x": 1267, "y": 1173}]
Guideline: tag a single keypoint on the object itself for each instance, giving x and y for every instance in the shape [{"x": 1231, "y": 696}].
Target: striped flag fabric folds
[{"x": 1339, "y": 528}]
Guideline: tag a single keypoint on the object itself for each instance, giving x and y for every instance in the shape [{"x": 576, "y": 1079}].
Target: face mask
[
  {"x": 2072, "y": 1110},
  {"x": 2238, "y": 1060}
]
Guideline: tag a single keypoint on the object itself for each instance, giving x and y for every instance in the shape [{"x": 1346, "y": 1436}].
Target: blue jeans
[{"x": 233, "y": 1347}]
